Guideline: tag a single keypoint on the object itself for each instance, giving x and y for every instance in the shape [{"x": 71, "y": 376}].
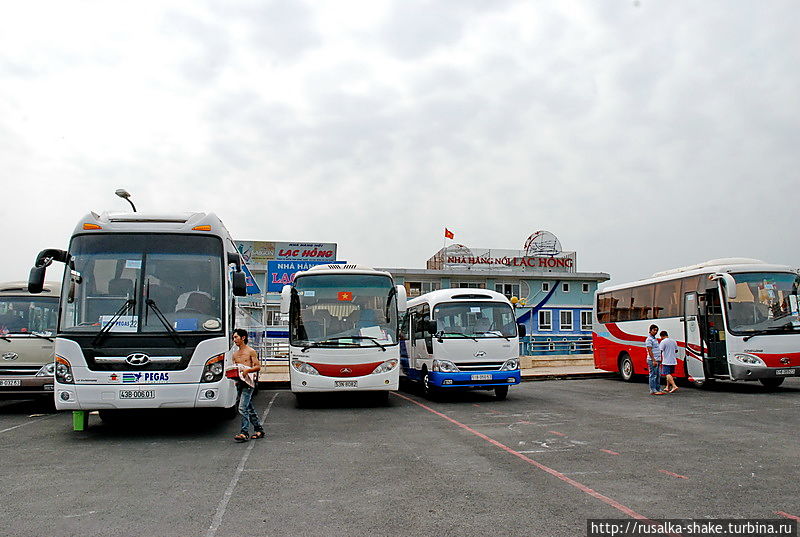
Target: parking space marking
[
  {"x": 673, "y": 474},
  {"x": 787, "y": 515},
  {"x": 26, "y": 423},
  {"x": 556, "y": 433},
  {"x": 223, "y": 503},
  {"x": 609, "y": 452},
  {"x": 580, "y": 486}
]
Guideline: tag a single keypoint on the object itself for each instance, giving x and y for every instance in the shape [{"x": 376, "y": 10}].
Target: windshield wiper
[
  {"x": 494, "y": 333},
  {"x": 769, "y": 330},
  {"x": 328, "y": 341},
  {"x": 48, "y": 338},
  {"x": 443, "y": 333},
  {"x": 112, "y": 321},
  {"x": 373, "y": 339},
  {"x": 176, "y": 337}
]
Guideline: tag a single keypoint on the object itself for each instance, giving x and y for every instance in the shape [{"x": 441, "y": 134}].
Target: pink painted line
[
  {"x": 673, "y": 474},
  {"x": 556, "y": 433},
  {"x": 609, "y": 452},
  {"x": 787, "y": 515},
  {"x": 580, "y": 486}
]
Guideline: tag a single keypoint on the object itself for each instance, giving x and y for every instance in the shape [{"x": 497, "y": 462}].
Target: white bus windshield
[
  {"x": 343, "y": 310},
  {"x": 474, "y": 319},
  {"x": 765, "y": 301},
  {"x": 180, "y": 275},
  {"x": 28, "y": 315}
]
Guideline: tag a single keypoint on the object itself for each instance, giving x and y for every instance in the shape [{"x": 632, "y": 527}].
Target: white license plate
[
  {"x": 345, "y": 384},
  {"x": 137, "y": 394},
  {"x": 482, "y": 376},
  {"x": 784, "y": 372},
  {"x": 10, "y": 383}
]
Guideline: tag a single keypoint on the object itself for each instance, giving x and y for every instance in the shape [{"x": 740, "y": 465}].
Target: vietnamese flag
[
  {"x": 448, "y": 233},
  {"x": 345, "y": 296}
]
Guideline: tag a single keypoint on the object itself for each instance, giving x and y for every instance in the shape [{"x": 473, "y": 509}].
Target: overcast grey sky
[{"x": 645, "y": 134}]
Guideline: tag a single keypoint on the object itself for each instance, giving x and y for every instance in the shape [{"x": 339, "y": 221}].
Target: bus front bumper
[
  {"x": 744, "y": 372},
  {"x": 133, "y": 396},
  {"x": 303, "y": 382},
  {"x": 475, "y": 379}
]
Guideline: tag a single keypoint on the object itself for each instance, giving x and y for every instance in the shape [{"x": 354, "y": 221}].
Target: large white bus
[
  {"x": 146, "y": 312},
  {"x": 343, "y": 323},
  {"x": 461, "y": 338},
  {"x": 733, "y": 319}
]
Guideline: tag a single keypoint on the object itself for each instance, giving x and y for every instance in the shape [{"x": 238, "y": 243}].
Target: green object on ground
[{"x": 80, "y": 420}]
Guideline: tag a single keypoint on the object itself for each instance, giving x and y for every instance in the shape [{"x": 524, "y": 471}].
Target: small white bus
[
  {"x": 343, "y": 323},
  {"x": 461, "y": 338}
]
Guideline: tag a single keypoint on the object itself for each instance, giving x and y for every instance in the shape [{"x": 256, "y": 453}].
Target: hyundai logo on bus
[
  {"x": 10, "y": 356},
  {"x": 479, "y": 354},
  {"x": 137, "y": 359}
]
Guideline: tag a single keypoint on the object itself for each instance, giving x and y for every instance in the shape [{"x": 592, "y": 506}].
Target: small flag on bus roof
[
  {"x": 346, "y": 296},
  {"x": 449, "y": 234}
]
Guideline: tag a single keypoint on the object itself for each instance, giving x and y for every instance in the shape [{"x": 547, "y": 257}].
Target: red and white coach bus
[{"x": 733, "y": 319}]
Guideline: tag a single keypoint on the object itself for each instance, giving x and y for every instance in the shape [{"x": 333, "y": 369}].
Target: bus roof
[
  {"x": 342, "y": 269},
  {"x": 186, "y": 222},
  {"x": 450, "y": 295},
  {"x": 732, "y": 265},
  {"x": 21, "y": 289}
]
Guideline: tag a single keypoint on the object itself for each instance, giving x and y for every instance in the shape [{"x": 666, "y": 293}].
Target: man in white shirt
[
  {"x": 669, "y": 359},
  {"x": 653, "y": 361}
]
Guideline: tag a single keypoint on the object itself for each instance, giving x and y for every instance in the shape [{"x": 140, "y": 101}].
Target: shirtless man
[{"x": 246, "y": 359}]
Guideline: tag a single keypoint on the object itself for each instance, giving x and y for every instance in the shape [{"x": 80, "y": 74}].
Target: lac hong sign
[{"x": 280, "y": 273}]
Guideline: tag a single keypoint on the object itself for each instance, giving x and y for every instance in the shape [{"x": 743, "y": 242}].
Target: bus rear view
[{"x": 343, "y": 329}]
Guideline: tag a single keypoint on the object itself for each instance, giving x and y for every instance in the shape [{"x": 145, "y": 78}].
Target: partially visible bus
[
  {"x": 733, "y": 319},
  {"x": 27, "y": 331},
  {"x": 461, "y": 338},
  {"x": 343, "y": 323},
  {"x": 146, "y": 314}
]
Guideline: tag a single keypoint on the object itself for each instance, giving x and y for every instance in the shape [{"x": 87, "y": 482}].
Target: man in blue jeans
[
  {"x": 246, "y": 361},
  {"x": 653, "y": 361}
]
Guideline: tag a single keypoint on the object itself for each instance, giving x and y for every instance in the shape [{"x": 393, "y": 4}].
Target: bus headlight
[
  {"x": 47, "y": 370},
  {"x": 214, "y": 368},
  {"x": 510, "y": 365},
  {"x": 444, "y": 366},
  {"x": 749, "y": 359},
  {"x": 304, "y": 367},
  {"x": 385, "y": 367},
  {"x": 63, "y": 371}
]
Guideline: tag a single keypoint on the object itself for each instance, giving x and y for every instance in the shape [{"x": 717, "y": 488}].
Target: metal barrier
[{"x": 544, "y": 348}]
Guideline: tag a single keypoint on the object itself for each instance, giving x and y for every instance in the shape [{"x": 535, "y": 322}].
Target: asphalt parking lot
[{"x": 551, "y": 456}]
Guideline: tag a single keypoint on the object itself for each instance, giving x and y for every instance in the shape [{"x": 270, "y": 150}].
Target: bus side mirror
[
  {"x": 521, "y": 330},
  {"x": 730, "y": 283},
  {"x": 286, "y": 299},
  {"x": 36, "y": 279},
  {"x": 239, "y": 284},
  {"x": 430, "y": 326},
  {"x": 402, "y": 298}
]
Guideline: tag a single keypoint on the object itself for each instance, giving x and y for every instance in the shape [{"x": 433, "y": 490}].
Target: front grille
[
  {"x": 479, "y": 366},
  {"x": 29, "y": 370}
]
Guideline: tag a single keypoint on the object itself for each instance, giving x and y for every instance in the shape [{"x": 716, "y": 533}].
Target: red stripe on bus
[
  {"x": 345, "y": 370},
  {"x": 615, "y": 331}
]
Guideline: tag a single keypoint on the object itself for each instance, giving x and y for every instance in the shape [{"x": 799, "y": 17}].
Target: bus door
[
  {"x": 693, "y": 357},
  {"x": 714, "y": 335},
  {"x": 421, "y": 351}
]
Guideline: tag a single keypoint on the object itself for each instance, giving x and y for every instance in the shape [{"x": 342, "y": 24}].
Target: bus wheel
[
  {"x": 626, "y": 367},
  {"x": 428, "y": 389},
  {"x": 109, "y": 417},
  {"x": 771, "y": 383},
  {"x": 501, "y": 392}
]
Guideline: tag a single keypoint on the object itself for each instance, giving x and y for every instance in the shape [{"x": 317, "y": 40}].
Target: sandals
[
  {"x": 241, "y": 437},
  {"x": 257, "y": 435}
]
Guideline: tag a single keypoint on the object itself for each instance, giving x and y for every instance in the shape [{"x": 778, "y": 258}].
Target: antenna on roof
[{"x": 124, "y": 194}]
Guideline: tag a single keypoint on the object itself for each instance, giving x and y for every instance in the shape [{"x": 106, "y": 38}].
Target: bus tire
[
  {"x": 428, "y": 390},
  {"x": 501, "y": 392},
  {"x": 771, "y": 384},
  {"x": 109, "y": 417},
  {"x": 626, "y": 367}
]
